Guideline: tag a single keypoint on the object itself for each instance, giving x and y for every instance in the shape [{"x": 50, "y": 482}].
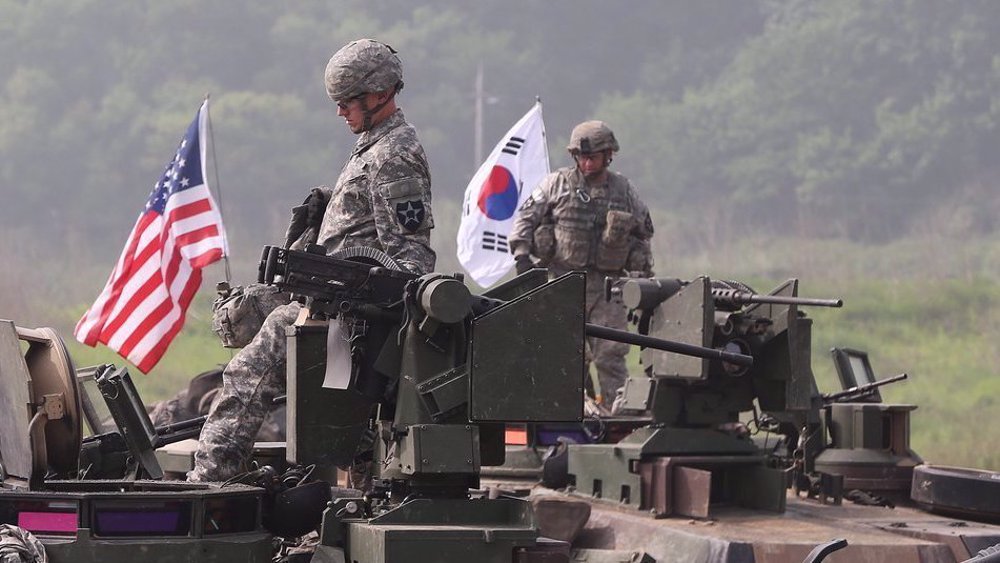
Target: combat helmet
[
  {"x": 592, "y": 136},
  {"x": 361, "y": 67}
]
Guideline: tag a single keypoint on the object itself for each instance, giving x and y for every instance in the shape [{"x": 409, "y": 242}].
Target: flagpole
[
  {"x": 215, "y": 172},
  {"x": 545, "y": 140}
]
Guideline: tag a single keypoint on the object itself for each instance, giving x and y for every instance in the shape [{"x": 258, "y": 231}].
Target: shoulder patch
[{"x": 410, "y": 214}]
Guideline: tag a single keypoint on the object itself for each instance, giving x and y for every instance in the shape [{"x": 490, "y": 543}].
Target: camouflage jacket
[
  {"x": 568, "y": 224},
  {"x": 383, "y": 197}
]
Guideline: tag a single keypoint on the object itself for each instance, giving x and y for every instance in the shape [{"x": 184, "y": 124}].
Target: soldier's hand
[
  {"x": 523, "y": 263},
  {"x": 316, "y": 205}
]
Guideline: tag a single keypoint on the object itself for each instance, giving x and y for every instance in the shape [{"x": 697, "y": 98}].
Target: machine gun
[
  {"x": 436, "y": 372},
  {"x": 365, "y": 283},
  {"x": 861, "y": 442},
  {"x": 724, "y": 315},
  {"x": 696, "y": 403},
  {"x": 829, "y": 442},
  {"x": 644, "y": 294}
]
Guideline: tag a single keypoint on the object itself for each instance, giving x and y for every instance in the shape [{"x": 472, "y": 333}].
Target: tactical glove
[
  {"x": 316, "y": 206},
  {"x": 297, "y": 225}
]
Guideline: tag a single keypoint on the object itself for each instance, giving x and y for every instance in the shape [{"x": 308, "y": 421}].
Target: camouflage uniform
[
  {"x": 568, "y": 224},
  {"x": 18, "y": 545},
  {"x": 382, "y": 199},
  {"x": 187, "y": 405}
]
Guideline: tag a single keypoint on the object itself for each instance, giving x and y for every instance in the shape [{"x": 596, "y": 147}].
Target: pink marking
[{"x": 58, "y": 522}]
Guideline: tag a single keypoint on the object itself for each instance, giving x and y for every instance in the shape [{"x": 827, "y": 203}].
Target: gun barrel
[
  {"x": 862, "y": 389},
  {"x": 667, "y": 345},
  {"x": 182, "y": 425},
  {"x": 173, "y": 433},
  {"x": 742, "y": 298}
]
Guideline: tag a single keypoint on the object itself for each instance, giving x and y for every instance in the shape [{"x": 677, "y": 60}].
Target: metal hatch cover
[{"x": 28, "y": 379}]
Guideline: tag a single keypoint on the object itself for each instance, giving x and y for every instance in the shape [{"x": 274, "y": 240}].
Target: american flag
[{"x": 180, "y": 231}]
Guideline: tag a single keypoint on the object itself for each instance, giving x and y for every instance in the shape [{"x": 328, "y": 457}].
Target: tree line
[{"x": 861, "y": 119}]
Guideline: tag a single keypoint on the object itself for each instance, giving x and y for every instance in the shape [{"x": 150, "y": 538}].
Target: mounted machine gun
[{"x": 697, "y": 451}]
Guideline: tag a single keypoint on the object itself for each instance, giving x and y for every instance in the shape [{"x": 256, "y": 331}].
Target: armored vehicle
[{"x": 438, "y": 376}]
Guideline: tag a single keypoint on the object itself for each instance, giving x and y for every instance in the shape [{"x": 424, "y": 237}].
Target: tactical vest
[{"x": 592, "y": 224}]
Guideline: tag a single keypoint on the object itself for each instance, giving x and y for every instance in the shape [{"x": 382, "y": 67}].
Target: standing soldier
[
  {"x": 586, "y": 217},
  {"x": 382, "y": 199}
]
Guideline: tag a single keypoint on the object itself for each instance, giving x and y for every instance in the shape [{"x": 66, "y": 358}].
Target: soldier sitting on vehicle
[{"x": 382, "y": 199}]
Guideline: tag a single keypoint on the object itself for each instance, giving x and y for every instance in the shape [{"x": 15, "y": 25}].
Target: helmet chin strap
[{"x": 369, "y": 113}]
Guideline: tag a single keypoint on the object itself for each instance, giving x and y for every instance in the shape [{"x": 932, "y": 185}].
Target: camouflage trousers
[
  {"x": 608, "y": 356},
  {"x": 251, "y": 381},
  {"x": 177, "y": 409},
  {"x": 18, "y": 545}
]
